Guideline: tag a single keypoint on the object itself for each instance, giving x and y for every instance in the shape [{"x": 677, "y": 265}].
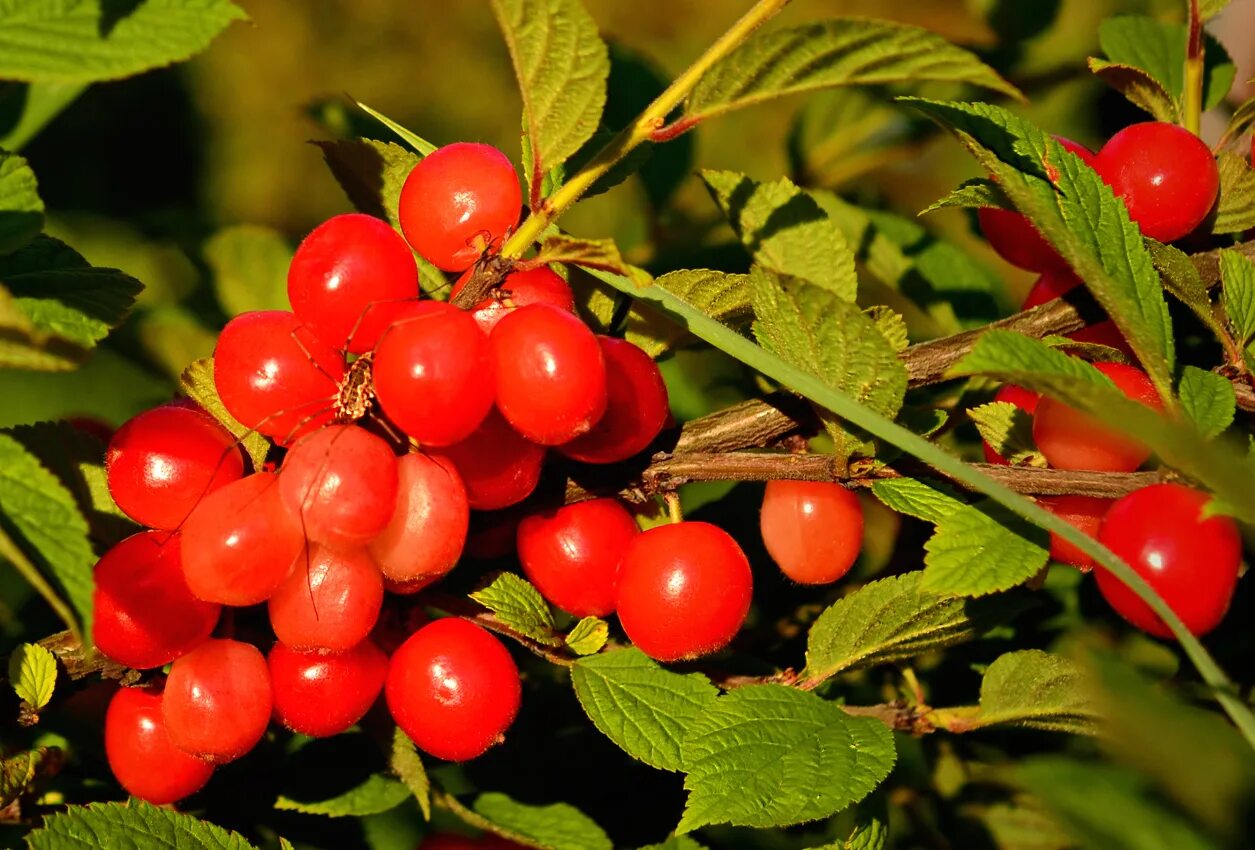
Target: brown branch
[{"x": 488, "y": 273}]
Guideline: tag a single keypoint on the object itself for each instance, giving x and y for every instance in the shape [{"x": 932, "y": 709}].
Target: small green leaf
[
  {"x": 557, "y": 826},
  {"x": 676, "y": 842},
  {"x": 974, "y": 194},
  {"x": 377, "y": 794},
  {"x": 983, "y": 549},
  {"x": 21, "y": 210},
  {"x": 133, "y": 825},
  {"x": 1036, "y": 690},
  {"x": 1241, "y": 120},
  {"x": 420, "y": 145},
  {"x": 600, "y": 254},
  {"x": 1208, "y": 399},
  {"x": 1208, "y": 9},
  {"x": 33, "y": 674},
  {"x": 922, "y": 498},
  {"x": 1008, "y": 430},
  {"x": 891, "y": 326},
  {"x": 19, "y": 772},
  {"x": 864, "y": 826},
  {"x": 768, "y": 755},
  {"x": 722, "y": 296},
  {"x": 197, "y": 383},
  {"x": 1237, "y": 297},
  {"x": 642, "y": 707},
  {"x": 1180, "y": 277},
  {"x": 1235, "y": 211},
  {"x": 588, "y": 636},
  {"x": 250, "y": 268},
  {"x": 1139, "y": 87},
  {"x": 407, "y": 764},
  {"x": 1158, "y": 48},
  {"x": 520, "y": 606}
]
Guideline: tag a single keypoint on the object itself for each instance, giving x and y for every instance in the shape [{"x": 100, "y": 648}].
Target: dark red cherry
[
  {"x": 636, "y": 406},
  {"x": 498, "y": 465}
]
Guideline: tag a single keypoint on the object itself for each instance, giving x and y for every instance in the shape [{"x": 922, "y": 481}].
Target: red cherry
[
  {"x": 1190, "y": 561},
  {"x": 140, "y": 753},
  {"x": 533, "y": 286},
  {"x": 684, "y": 590},
  {"x": 379, "y": 316},
  {"x": 340, "y": 483},
  {"x": 425, "y": 536},
  {"x": 240, "y": 542},
  {"x": 144, "y": 614},
  {"x": 433, "y": 374},
  {"x": 329, "y": 602},
  {"x": 217, "y": 701},
  {"x": 1070, "y": 439},
  {"x": 458, "y": 202},
  {"x": 499, "y": 466},
  {"x": 454, "y": 689},
  {"x": 572, "y": 554},
  {"x": 344, "y": 265},
  {"x": 1025, "y": 400},
  {"x": 163, "y": 461},
  {"x": 550, "y": 374},
  {"x": 813, "y": 530},
  {"x": 274, "y": 375},
  {"x": 319, "y": 695},
  {"x": 1084, "y": 512},
  {"x": 636, "y": 406}
]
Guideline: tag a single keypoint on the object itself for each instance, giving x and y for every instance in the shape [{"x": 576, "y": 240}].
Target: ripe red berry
[
  {"x": 340, "y": 484},
  {"x": 217, "y": 701},
  {"x": 240, "y": 542},
  {"x": 317, "y": 694},
  {"x": 433, "y": 375},
  {"x": 534, "y": 286},
  {"x": 458, "y": 202},
  {"x": 330, "y": 601},
  {"x": 378, "y": 317},
  {"x": 1054, "y": 284},
  {"x": 499, "y": 466},
  {"x": 813, "y": 530},
  {"x": 140, "y": 753},
  {"x": 636, "y": 406},
  {"x": 1071, "y": 439},
  {"x": 1084, "y": 512},
  {"x": 163, "y": 461},
  {"x": 144, "y": 615},
  {"x": 684, "y": 590},
  {"x": 550, "y": 374},
  {"x": 572, "y": 554},
  {"x": 1190, "y": 561},
  {"x": 274, "y": 375},
  {"x": 1165, "y": 174},
  {"x": 1025, "y": 400},
  {"x": 344, "y": 265},
  {"x": 454, "y": 689},
  {"x": 425, "y": 536}
]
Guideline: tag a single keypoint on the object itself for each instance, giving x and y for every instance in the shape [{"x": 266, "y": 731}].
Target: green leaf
[
  {"x": 562, "y": 65},
  {"x": 1008, "y": 430},
  {"x": 922, "y": 498},
  {"x": 676, "y": 842},
  {"x": 249, "y": 263},
  {"x": 642, "y": 707},
  {"x": 1158, "y": 49},
  {"x": 768, "y": 755},
  {"x": 1036, "y": 690},
  {"x": 1235, "y": 211},
  {"x": 420, "y": 145},
  {"x": 892, "y": 619},
  {"x": 197, "y": 383},
  {"x": 785, "y": 230},
  {"x": 600, "y": 254},
  {"x": 982, "y": 549},
  {"x": 1181, "y": 278},
  {"x": 377, "y": 794},
  {"x": 520, "y": 606},
  {"x": 864, "y": 826},
  {"x": 891, "y": 326},
  {"x": 33, "y": 674},
  {"x": 1241, "y": 120},
  {"x": 1139, "y": 87},
  {"x": 722, "y": 296},
  {"x": 842, "y": 134},
  {"x": 407, "y": 764},
  {"x": 37, "y": 103},
  {"x": 90, "y": 40},
  {"x": 588, "y": 636},
  {"x": 1237, "y": 298},
  {"x": 19, "y": 772},
  {"x": 974, "y": 194},
  {"x": 1208, "y": 399},
  {"x": 134, "y": 825},
  {"x": 1208, "y": 9},
  {"x": 831, "y": 53},
  {"x": 557, "y": 826},
  {"x": 21, "y": 210}
]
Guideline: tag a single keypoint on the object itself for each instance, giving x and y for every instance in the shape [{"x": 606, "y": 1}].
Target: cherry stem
[{"x": 1192, "y": 102}]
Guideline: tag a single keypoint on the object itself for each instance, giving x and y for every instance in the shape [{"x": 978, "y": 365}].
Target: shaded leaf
[
  {"x": 558, "y": 826},
  {"x": 1158, "y": 48},
  {"x": 377, "y": 794},
  {"x": 1037, "y": 690},
  {"x": 1208, "y": 399},
  {"x": 1235, "y": 211},
  {"x": 133, "y": 825},
  {"x": 1008, "y": 430},
  {"x": 1139, "y": 87},
  {"x": 600, "y": 254},
  {"x": 722, "y": 296},
  {"x": 21, "y": 210},
  {"x": 408, "y": 766},
  {"x": 976, "y": 193},
  {"x": 249, "y": 263},
  {"x": 1237, "y": 298},
  {"x": 420, "y": 145},
  {"x": 19, "y": 772},
  {"x": 39, "y": 103},
  {"x": 520, "y": 606}
]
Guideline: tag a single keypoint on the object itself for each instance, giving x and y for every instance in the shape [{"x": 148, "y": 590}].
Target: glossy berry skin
[
  {"x": 1070, "y": 439},
  {"x": 144, "y": 614},
  {"x": 550, "y": 374},
  {"x": 453, "y": 688},
  {"x": 1055, "y": 284},
  {"x": 433, "y": 375},
  {"x": 317, "y": 694},
  {"x": 636, "y": 406},
  {"x": 459, "y": 201},
  {"x": 340, "y": 484},
  {"x": 343, "y": 266},
  {"x": 163, "y": 461},
  {"x": 1191, "y": 562},
  {"x": 218, "y": 700},
  {"x": 1025, "y": 400},
  {"x": 140, "y": 753},
  {"x": 1084, "y": 512},
  {"x": 425, "y": 536},
  {"x": 532, "y": 286},
  {"x": 378, "y": 317},
  {"x": 684, "y": 590},
  {"x": 1166, "y": 176},
  {"x": 275, "y": 375},
  {"x": 572, "y": 554},
  {"x": 330, "y": 601},
  {"x": 813, "y": 530},
  {"x": 498, "y": 465},
  {"x": 240, "y": 542}
]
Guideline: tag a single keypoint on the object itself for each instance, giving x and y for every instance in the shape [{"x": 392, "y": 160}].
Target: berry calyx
[
  {"x": 330, "y": 601},
  {"x": 636, "y": 406},
  {"x": 813, "y": 530},
  {"x": 1070, "y": 439},
  {"x": 531, "y": 286},
  {"x": 143, "y": 759},
  {"x": 425, "y": 536},
  {"x": 217, "y": 701},
  {"x": 1084, "y": 512},
  {"x": 1025, "y": 400},
  {"x": 317, "y": 694},
  {"x": 499, "y": 466}
]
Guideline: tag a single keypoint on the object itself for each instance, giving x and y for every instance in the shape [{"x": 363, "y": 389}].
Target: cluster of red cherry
[{"x": 1168, "y": 180}]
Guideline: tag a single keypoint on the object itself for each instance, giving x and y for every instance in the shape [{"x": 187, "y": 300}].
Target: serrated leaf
[
  {"x": 21, "y": 210},
  {"x": 785, "y": 230},
  {"x": 676, "y": 842},
  {"x": 831, "y": 53},
  {"x": 249, "y": 263},
  {"x": 557, "y": 827},
  {"x": 1008, "y": 429},
  {"x": 377, "y": 794},
  {"x": 407, "y": 764},
  {"x": 642, "y": 707},
  {"x": 892, "y": 619},
  {"x": 768, "y": 755},
  {"x": 891, "y": 326},
  {"x": 974, "y": 194},
  {"x": 588, "y": 636},
  {"x": 520, "y": 606},
  {"x": 600, "y": 254},
  {"x": 1139, "y": 87},
  {"x": 1235, "y": 211},
  {"x": 1180, "y": 277},
  {"x": 19, "y": 772},
  {"x": 1158, "y": 48},
  {"x": 922, "y": 498},
  {"x": 983, "y": 549},
  {"x": 1241, "y": 120},
  {"x": 1208, "y": 399},
  {"x": 33, "y": 674},
  {"x": 82, "y": 41},
  {"x": 864, "y": 826},
  {"x": 1094, "y": 352},
  {"x": 1037, "y": 690},
  {"x": 722, "y": 296},
  {"x": 420, "y": 145},
  {"x": 1237, "y": 297},
  {"x": 197, "y": 383},
  {"x": 134, "y": 825}
]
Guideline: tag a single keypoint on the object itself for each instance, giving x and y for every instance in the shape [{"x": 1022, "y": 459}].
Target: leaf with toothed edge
[{"x": 520, "y": 606}]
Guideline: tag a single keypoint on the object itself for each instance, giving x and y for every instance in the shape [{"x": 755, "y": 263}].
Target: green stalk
[
  {"x": 11, "y": 553},
  {"x": 1192, "y": 101}
]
